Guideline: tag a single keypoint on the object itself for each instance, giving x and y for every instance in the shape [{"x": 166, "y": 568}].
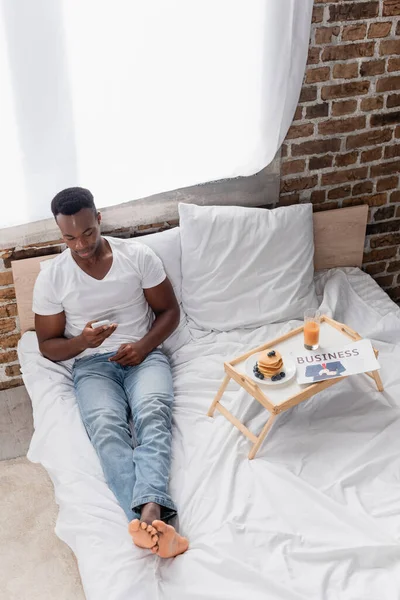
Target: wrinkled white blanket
[{"x": 315, "y": 515}]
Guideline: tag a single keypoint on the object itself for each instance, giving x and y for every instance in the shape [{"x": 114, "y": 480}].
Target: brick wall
[{"x": 343, "y": 147}]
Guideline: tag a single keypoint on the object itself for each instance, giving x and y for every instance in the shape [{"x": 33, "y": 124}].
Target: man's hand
[
  {"x": 129, "y": 355},
  {"x": 92, "y": 338}
]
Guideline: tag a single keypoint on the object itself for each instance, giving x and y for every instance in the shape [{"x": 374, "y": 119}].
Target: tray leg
[
  {"x": 262, "y": 436},
  {"x": 218, "y": 396},
  {"x": 377, "y": 378}
]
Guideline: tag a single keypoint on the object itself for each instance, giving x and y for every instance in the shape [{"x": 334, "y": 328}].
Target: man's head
[{"x": 78, "y": 219}]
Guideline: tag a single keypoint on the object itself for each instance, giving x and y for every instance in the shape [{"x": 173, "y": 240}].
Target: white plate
[{"x": 288, "y": 367}]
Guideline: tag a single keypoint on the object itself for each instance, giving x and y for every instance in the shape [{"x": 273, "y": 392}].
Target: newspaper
[{"x": 357, "y": 357}]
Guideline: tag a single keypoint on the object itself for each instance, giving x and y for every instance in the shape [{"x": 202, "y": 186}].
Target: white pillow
[
  {"x": 245, "y": 267},
  {"x": 167, "y": 246}
]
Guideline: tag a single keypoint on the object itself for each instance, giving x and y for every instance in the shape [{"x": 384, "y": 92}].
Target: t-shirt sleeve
[
  {"x": 45, "y": 301},
  {"x": 151, "y": 268}
]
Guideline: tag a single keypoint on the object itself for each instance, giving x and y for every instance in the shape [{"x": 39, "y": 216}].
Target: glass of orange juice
[{"x": 312, "y": 319}]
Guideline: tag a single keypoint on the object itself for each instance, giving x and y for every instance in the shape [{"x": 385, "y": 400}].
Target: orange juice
[{"x": 311, "y": 333}]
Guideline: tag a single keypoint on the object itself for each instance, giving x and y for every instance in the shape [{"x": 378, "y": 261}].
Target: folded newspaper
[{"x": 357, "y": 357}]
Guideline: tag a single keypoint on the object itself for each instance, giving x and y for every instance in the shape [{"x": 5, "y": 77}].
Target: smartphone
[{"x": 100, "y": 323}]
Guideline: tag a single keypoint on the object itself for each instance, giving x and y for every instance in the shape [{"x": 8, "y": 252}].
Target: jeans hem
[{"x": 164, "y": 502}]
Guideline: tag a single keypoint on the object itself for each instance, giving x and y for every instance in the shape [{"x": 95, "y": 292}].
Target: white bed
[{"x": 315, "y": 516}]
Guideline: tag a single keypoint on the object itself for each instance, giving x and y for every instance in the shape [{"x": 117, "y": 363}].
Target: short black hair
[{"x": 72, "y": 200}]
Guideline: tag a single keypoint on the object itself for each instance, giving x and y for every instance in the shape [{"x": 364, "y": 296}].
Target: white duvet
[{"x": 316, "y": 515}]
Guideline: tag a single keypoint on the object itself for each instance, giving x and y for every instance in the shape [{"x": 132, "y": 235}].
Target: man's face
[{"x": 81, "y": 232}]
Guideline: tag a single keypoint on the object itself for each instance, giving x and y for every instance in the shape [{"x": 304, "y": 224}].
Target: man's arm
[
  {"x": 164, "y": 304},
  {"x": 54, "y": 346}
]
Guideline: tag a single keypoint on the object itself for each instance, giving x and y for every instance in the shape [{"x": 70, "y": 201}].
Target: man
[{"x": 119, "y": 369}]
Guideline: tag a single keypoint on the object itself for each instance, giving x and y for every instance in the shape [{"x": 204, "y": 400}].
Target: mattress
[{"x": 315, "y": 515}]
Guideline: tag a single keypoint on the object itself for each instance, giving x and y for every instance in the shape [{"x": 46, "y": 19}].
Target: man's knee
[{"x": 103, "y": 423}]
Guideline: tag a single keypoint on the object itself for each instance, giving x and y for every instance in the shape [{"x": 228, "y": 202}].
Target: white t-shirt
[{"x": 63, "y": 286}]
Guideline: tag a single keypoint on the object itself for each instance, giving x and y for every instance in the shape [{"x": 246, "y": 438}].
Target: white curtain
[{"x": 135, "y": 97}]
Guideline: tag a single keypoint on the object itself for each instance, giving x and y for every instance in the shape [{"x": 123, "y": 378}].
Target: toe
[
  {"x": 154, "y": 549},
  {"x": 154, "y": 538},
  {"x": 151, "y": 530},
  {"x": 143, "y": 525},
  {"x": 160, "y": 526},
  {"x": 134, "y": 526}
]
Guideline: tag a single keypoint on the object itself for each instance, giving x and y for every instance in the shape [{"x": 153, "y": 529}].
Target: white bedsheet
[{"x": 315, "y": 516}]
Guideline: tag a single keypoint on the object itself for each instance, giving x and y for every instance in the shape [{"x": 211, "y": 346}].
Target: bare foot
[
  {"x": 170, "y": 543},
  {"x": 143, "y": 535}
]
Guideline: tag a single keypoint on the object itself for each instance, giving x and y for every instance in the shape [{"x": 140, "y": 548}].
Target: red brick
[
  {"x": 384, "y": 213},
  {"x": 385, "y": 281},
  {"x": 323, "y": 35},
  {"x": 381, "y": 254},
  {"x": 319, "y": 74},
  {"x": 382, "y": 119},
  {"x": 284, "y": 150},
  {"x": 389, "y": 47},
  {"x": 395, "y": 196},
  {"x": 388, "y": 239},
  {"x": 372, "y": 67},
  {"x": 298, "y": 183},
  {"x": 8, "y": 357},
  {"x": 388, "y": 183},
  {"x": 375, "y": 268},
  {"x": 289, "y": 200},
  {"x": 397, "y": 132},
  {"x": 13, "y": 370},
  {"x": 336, "y": 126},
  {"x": 398, "y": 212},
  {"x": 317, "y": 14},
  {"x": 352, "y": 202},
  {"x": 11, "y": 383},
  {"x": 7, "y": 293},
  {"x": 317, "y": 196},
  {"x": 316, "y": 147},
  {"x": 316, "y": 111},
  {"x": 344, "y": 160},
  {"x": 339, "y": 192},
  {"x": 391, "y": 8},
  {"x": 392, "y": 226},
  {"x": 298, "y": 115},
  {"x": 344, "y": 90},
  {"x": 393, "y": 266},
  {"x": 372, "y": 103},
  {"x": 385, "y": 168},
  {"x": 325, "y": 206},
  {"x": 320, "y": 162},
  {"x": 369, "y": 138},
  {"x": 293, "y": 166},
  {"x": 298, "y": 131},
  {"x": 345, "y": 71},
  {"x": 393, "y": 100},
  {"x": 343, "y": 176},
  {"x": 358, "y": 31},
  {"x": 343, "y": 108},
  {"x": 365, "y": 187},
  {"x": 379, "y": 30},
  {"x": 7, "y": 325},
  {"x": 313, "y": 56},
  {"x": 387, "y": 84},
  {"x": 9, "y": 341},
  {"x": 352, "y": 11},
  {"x": 308, "y": 94},
  {"x": 6, "y": 278},
  {"x": 371, "y": 155},
  {"x": 8, "y": 310},
  {"x": 393, "y": 65},
  {"x": 392, "y": 151},
  {"x": 348, "y": 51}
]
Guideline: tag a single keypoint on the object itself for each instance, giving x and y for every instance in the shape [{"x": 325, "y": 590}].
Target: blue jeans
[{"x": 136, "y": 470}]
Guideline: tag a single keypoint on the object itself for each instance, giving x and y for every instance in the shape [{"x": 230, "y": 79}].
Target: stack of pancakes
[{"x": 270, "y": 365}]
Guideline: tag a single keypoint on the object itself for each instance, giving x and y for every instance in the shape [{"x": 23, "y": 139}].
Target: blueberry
[
  {"x": 261, "y": 376},
  {"x": 273, "y": 352},
  {"x": 274, "y": 378},
  {"x": 270, "y": 354},
  {"x": 282, "y": 374}
]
